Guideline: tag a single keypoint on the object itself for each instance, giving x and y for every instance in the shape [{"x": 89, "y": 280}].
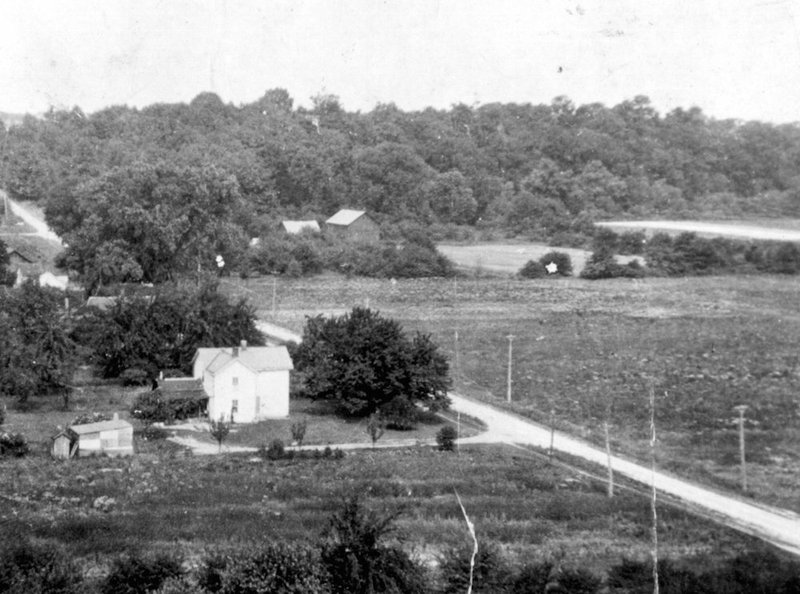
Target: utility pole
[
  {"x": 608, "y": 458},
  {"x": 510, "y": 338},
  {"x": 740, "y": 409},
  {"x": 552, "y": 433}
]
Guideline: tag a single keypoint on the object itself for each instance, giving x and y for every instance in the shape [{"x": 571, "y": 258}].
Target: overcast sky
[{"x": 732, "y": 58}]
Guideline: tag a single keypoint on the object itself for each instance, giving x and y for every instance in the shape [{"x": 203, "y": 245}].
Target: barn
[
  {"x": 245, "y": 384},
  {"x": 353, "y": 225}
]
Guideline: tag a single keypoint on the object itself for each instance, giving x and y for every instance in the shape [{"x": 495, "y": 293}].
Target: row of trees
[
  {"x": 145, "y": 193},
  {"x": 42, "y": 341}
]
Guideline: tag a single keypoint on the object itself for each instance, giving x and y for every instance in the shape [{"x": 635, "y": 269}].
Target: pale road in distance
[{"x": 742, "y": 230}]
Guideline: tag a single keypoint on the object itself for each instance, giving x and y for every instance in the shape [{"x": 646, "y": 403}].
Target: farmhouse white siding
[{"x": 245, "y": 384}]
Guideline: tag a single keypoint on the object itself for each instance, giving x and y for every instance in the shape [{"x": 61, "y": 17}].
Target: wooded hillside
[{"x": 175, "y": 184}]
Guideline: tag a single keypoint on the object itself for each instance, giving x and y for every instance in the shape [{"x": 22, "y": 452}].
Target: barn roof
[
  {"x": 295, "y": 227},
  {"x": 345, "y": 217},
  {"x": 101, "y": 426},
  {"x": 257, "y": 359}
]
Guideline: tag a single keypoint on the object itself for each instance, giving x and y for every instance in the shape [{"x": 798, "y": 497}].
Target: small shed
[
  {"x": 353, "y": 225},
  {"x": 65, "y": 444},
  {"x": 112, "y": 438}
]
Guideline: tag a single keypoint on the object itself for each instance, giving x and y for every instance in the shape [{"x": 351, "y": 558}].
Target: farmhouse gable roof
[
  {"x": 345, "y": 217},
  {"x": 257, "y": 359}
]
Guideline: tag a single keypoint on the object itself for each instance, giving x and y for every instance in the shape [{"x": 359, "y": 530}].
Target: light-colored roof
[
  {"x": 101, "y": 426},
  {"x": 295, "y": 227},
  {"x": 256, "y": 359},
  {"x": 180, "y": 384},
  {"x": 101, "y": 303},
  {"x": 345, "y": 217},
  {"x": 48, "y": 279}
]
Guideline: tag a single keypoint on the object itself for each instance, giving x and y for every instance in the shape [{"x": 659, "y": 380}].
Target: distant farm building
[
  {"x": 353, "y": 225},
  {"x": 244, "y": 384},
  {"x": 57, "y": 281},
  {"x": 297, "y": 227},
  {"x": 101, "y": 303},
  {"x": 186, "y": 389},
  {"x": 111, "y": 438}
]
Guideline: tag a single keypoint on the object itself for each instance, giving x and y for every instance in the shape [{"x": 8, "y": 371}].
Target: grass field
[
  {"x": 592, "y": 350},
  {"x": 508, "y": 258}
]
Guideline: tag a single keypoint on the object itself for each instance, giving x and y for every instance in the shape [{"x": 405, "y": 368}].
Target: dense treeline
[{"x": 150, "y": 192}]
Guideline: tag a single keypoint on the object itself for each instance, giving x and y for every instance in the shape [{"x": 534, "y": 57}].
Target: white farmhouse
[{"x": 245, "y": 384}]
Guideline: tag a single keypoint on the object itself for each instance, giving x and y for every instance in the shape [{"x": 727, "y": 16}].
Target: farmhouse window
[
  {"x": 235, "y": 406},
  {"x": 236, "y": 381}
]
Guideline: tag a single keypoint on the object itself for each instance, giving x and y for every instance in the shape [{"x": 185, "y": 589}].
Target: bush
[
  {"x": 138, "y": 574},
  {"x": 446, "y": 438},
  {"x": 276, "y": 568},
  {"x": 13, "y": 445},
  {"x": 532, "y": 578},
  {"x": 358, "y": 562},
  {"x": 631, "y": 243},
  {"x": 532, "y": 269},
  {"x": 562, "y": 261},
  {"x": 491, "y": 574},
  {"x": 578, "y": 581},
  {"x": 87, "y": 418},
  {"x": 399, "y": 414},
  {"x": 134, "y": 376},
  {"x": 276, "y": 450},
  {"x": 299, "y": 431},
  {"x": 27, "y": 567}
]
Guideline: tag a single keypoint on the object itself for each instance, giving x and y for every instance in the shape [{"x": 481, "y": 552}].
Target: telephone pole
[
  {"x": 510, "y": 338},
  {"x": 740, "y": 409}
]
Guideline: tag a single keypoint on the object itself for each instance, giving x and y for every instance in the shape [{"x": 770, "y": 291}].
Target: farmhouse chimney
[
  {"x": 116, "y": 416},
  {"x": 244, "y": 345},
  {"x": 235, "y": 351}
]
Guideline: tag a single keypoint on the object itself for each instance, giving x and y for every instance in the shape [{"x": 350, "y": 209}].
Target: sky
[{"x": 732, "y": 58}]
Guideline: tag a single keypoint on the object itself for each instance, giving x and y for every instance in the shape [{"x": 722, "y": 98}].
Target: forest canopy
[{"x": 140, "y": 194}]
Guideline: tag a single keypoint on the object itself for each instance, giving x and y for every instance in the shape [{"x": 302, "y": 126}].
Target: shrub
[
  {"x": 2, "y": 414},
  {"x": 276, "y": 450},
  {"x": 299, "y": 431},
  {"x": 150, "y": 407},
  {"x": 358, "y": 561},
  {"x": 13, "y": 445},
  {"x": 532, "y": 269},
  {"x": 140, "y": 574},
  {"x": 446, "y": 438},
  {"x": 491, "y": 574},
  {"x": 87, "y": 418},
  {"x": 134, "y": 376},
  {"x": 578, "y": 581},
  {"x": 276, "y": 568},
  {"x": 631, "y": 243},
  {"x": 400, "y": 414},
  {"x": 532, "y": 577},
  {"x": 562, "y": 261},
  {"x": 219, "y": 430},
  {"x": 27, "y": 567},
  {"x": 784, "y": 258}
]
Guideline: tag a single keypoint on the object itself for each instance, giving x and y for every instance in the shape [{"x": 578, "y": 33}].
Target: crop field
[{"x": 592, "y": 351}]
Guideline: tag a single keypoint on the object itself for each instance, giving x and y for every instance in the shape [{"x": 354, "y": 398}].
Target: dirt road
[
  {"x": 780, "y": 527},
  {"x": 742, "y": 230},
  {"x": 42, "y": 229}
]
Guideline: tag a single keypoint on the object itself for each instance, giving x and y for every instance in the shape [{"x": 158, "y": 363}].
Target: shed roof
[
  {"x": 101, "y": 303},
  {"x": 101, "y": 426},
  {"x": 180, "y": 384},
  {"x": 24, "y": 253},
  {"x": 295, "y": 227},
  {"x": 256, "y": 359},
  {"x": 345, "y": 217}
]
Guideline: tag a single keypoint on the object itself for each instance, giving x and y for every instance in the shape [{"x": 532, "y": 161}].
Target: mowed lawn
[
  {"x": 592, "y": 351},
  {"x": 509, "y": 258}
]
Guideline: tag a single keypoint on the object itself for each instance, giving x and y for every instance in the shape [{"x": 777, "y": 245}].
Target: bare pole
[
  {"x": 552, "y": 433},
  {"x": 608, "y": 458},
  {"x": 653, "y": 482},
  {"x": 740, "y": 409},
  {"x": 510, "y": 338},
  {"x": 274, "y": 292}
]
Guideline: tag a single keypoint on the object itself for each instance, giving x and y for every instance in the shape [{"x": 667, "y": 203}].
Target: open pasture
[
  {"x": 508, "y": 258},
  {"x": 591, "y": 351},
  {"x": 768, "y": 230}
]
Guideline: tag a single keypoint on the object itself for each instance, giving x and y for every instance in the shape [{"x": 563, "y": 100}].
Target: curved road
[
  {"x": 780, "y": 527},
  {"x": 42, "y": 229}
]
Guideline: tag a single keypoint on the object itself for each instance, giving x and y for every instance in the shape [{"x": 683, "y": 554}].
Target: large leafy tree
[
  {"x": 159, "y": 332},
  {"x": 362, "y": 361},
  {"x": 36, "y": 352}
]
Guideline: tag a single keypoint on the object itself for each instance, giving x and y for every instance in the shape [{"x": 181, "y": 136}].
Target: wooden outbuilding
[
  {"x": 111, "y": 438},
  {"x": 65, "y": 444},
  {"x": 353, "y": 225}
]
